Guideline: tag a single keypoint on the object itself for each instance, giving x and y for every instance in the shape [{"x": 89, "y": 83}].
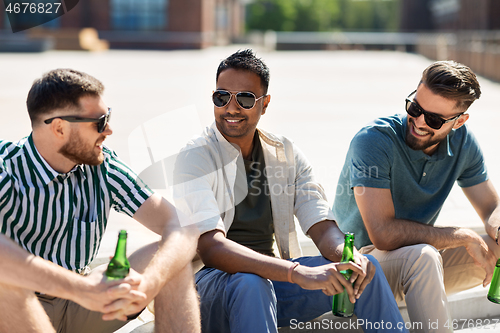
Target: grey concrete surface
[{"x": 319, "y": 99}]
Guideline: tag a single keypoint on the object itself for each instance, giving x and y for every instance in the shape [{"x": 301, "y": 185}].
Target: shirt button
[{"x": 425, "y": 174}]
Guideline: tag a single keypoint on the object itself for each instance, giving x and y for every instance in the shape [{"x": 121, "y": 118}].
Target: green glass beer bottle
[
  {"x": 342, "y": 306},
  {"x": 494, "y": 292},
  {"x": 119, "y": 267}
]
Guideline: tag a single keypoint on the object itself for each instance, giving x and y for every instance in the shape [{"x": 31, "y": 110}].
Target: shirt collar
[
  {"x": 40, "y": 166},
  {"x": 268, "y": 138},
  {"x": 222, "y": 140}
]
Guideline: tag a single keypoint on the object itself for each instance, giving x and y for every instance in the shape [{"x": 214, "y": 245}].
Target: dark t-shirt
[{"x": 253, "y": 221}]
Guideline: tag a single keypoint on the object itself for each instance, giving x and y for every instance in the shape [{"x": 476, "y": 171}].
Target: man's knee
[
  {"x": 250, "y": 281},
  {"x": 22, "y": 311},
  {"x": 141, "y": 258},
  {"x": 251, "y": 286},
  {"x": 423, "y": 259},
  {"x": 427, "y": 254}
]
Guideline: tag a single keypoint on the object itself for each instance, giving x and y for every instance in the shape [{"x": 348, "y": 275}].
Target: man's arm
[
  {"x": 219, "y": 252},
  {"x": 330, "y": 242},
  {"x": 311, "y": 205},
  {"x": 485, "y": 200},
  {"x": 388, "y": 233},
  {"x": 24, "y": 270},
  {"x": 176, "y": 250}
]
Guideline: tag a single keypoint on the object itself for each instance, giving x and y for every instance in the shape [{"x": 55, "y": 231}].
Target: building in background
[
  {"x": 449, "y": 15},
  {"x": 467, "y": 31},
  {"x": 142, "y": 24}
]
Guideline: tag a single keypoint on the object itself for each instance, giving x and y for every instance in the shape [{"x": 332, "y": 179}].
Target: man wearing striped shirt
[{"x": 57, "y": 187}]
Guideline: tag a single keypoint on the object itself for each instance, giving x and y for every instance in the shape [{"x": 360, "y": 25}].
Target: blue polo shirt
[{"x": 378, "y": 157}]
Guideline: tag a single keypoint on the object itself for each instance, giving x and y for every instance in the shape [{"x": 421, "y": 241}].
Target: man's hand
[
  {"x": 115, "y": 298},
  {"x": 361, "y": 281},
  {"x": 480, "y": 252},
  {"x": 124, "y": 307},
  {"x": 327, "y": 278}
]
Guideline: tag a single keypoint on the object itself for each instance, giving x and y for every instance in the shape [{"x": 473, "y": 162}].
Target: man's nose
[
  {"x": 420, "y": 121},
  {"x": 233, "y": 105},
  {"x": 107, "y": 130}
]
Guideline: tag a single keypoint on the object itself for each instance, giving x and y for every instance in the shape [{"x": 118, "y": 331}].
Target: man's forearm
[
  {"x": 24, "y": 270},
  {"x": 218, "y": 252},
  {"x": 398, "y": 233},
  {"x": 328, "y": 239}
]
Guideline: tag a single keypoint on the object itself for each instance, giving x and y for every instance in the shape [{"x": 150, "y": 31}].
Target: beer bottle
[
  {"x": 494, "y": 292},
  {"x": 342, "y": 306},
  {"x": 119, "y": 266}
]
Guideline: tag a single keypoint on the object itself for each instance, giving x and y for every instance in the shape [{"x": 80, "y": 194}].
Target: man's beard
[
  {"x": 76, "y": 151},
  {"x": 416, "y": 144}
]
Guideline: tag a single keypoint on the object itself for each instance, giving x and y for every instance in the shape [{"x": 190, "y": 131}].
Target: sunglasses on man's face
[
  {"x": 431, "y": 119},
  {"x": 245, "y": 99},
  {"x": 102, "y": 121}
]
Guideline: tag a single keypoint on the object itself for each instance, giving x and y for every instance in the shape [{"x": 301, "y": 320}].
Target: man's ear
[
  {"x": 461, "y": 120},
  {"x": 266, "y": 101},
  {"x": 59, "y": 128}
]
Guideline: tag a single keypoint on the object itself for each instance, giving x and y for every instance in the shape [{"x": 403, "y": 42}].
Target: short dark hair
[
  {"x": 454, "y": 81},
  {"x": 246, "y": 60},
  {"x": 60, "y": 88}
]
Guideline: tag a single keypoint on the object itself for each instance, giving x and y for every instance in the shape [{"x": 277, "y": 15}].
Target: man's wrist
[
  {"x": 72, "y": 287},
  {"x": 497, "y": 234},
  {"x": 290, "y": 271}
]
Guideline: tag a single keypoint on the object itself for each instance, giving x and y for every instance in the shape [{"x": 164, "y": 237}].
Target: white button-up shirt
[{"x": 205, "y": 190}]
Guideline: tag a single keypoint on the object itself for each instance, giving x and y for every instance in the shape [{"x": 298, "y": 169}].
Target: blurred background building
[
  {"x": 143, "y": 24},
  {"x": 418, "y": 15},
  {"x": 463, "y": 30}
]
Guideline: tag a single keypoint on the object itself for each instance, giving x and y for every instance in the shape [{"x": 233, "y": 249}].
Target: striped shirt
[{"x": 62, "y": 217}]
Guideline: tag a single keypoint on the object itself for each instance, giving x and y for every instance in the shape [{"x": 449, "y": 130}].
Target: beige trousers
[
  {"x": 423, "y": 276},
  {"x": 70, "y": 317}
]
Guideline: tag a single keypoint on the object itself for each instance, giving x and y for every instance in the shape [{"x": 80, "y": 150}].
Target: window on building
[{"x": 139, "y": 14}]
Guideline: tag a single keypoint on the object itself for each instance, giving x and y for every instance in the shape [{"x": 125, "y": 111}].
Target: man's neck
[
  {"x": 245, "y": 143},
  {"x": 431, "y": 150},
  {"x": 50, "y": 154}
]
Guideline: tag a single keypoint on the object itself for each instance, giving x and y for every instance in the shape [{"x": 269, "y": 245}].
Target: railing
[
  {"x": 274, "y": 40},
  {"x": 479, "y": 50}
]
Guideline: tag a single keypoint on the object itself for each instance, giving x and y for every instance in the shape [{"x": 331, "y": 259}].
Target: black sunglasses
[
  {"x": 102, "y": 121},
  {"x": 431, "y": 119},
  {"x": 245, "y": 99}
]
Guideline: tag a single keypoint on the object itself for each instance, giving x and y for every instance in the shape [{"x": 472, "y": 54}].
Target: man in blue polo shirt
[{"x": 397, "y": 174}]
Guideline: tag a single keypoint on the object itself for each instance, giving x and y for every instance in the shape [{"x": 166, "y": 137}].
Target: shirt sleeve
[
  {"x": 128, "y": 192},
  {"x": 5, "y": 188},
  {"x": 311, "y": 205},
  {"x": 195, "y": 181},
  {"x": 369, "y": 159},
  {"x": 475, "y": 171}
]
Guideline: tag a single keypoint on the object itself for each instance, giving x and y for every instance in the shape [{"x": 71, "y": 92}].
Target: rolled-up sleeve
[
  {"x": 195, "y": 175},
  {"x": 311, "y": 205}
]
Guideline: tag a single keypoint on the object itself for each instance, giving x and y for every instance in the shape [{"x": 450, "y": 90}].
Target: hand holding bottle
[
  {"x": 343, "y": 306},
  {"x": 97, "y": 293},
  {"x": 326, "y": 277}
]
